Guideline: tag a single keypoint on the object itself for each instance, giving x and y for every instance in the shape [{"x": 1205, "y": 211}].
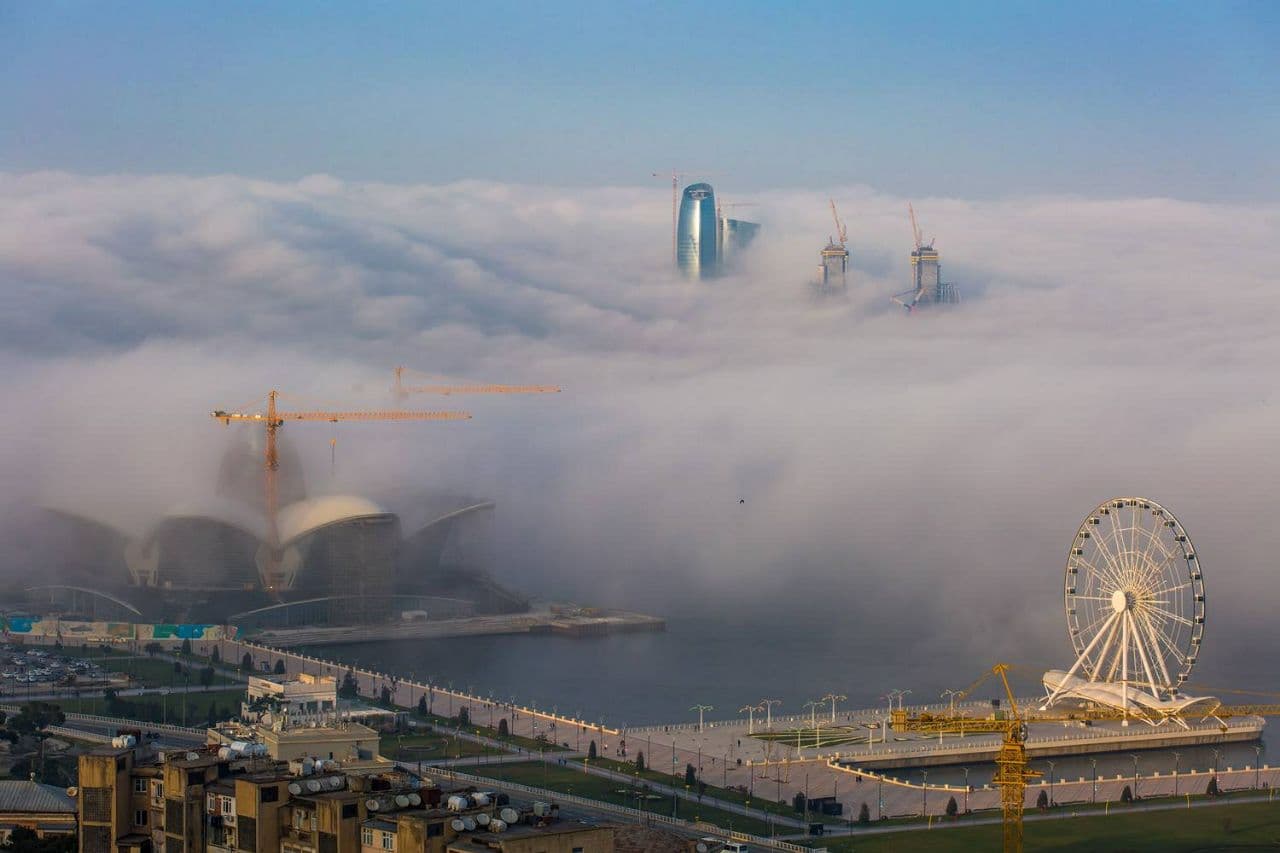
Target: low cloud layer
[{"x": 916, "y": 476}]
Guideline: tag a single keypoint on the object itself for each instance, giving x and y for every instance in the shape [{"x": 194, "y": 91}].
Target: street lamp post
[
  {"x": 833, "y": 698},
  {"x": 1257, "y": 766},
  {"x": 751, "y": 717},
  {"x": 950, "y": 695},
  {"x": 813, "y": 713},
  {"x": 901, "y": 693},
  {"x": 768, "y": 706},
  {"x": 1177, "y": 762},
  {"x": 1094, "y": 763},
  {"x": 1134, "y": 756},
  {"x": 701, "y": 709},
  {"x": 966, "y": 789},
  {"x": 924, "y": 793},
  {"x": 1217, "y": 754},
  {"x": 1052, "y": 766}
]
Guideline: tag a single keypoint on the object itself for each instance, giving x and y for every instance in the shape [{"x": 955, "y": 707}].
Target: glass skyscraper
[{"x": 697, "y": 234}]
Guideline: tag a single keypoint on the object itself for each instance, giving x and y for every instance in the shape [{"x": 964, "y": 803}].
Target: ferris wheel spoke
[
  {"x": 1163, "y": 590},
  {"x": 1154, "y": 637},
  {"x": 1176, "y": 655},
  {"x": 1115, "y": 573},
  {"x": 1174, "y": 616},
  {"x": 1140, "y": 644}
]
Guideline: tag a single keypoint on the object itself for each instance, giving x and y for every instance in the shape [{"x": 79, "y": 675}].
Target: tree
[
  {"x": 1042, "y": 801},
  {"x": 246, "y": 663},
  {"x": 186, "y": 646},
  {"x": 422, "y": 705},
  {"x": 349, "y": 689},
  {"x": 690, "y": 775},
  {"x": 26, "y": 840},
  {"x": 640, "y": 762},
  {"x": 385, "y": 694},
  {"x": 464, "y": 716},
  {"x": 799, "y": 803},
  {"x": 953, "y": 809},
  {"x": 216, "y": 657},
  {"x": 1126, "y": 796},
  {"x": 35, "y": 717},
  {"x": 864, "y": 815},
  {"x": 1212, "y": 790},
  {"x": 206, "y": 676},
  {"x": 591, "y": 750},
  {"x": 280, "y": 667},
  {"x": 503, "y": 729}
]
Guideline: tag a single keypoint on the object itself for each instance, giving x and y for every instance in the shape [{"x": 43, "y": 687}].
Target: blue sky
[{"x": 963, "y": 99}]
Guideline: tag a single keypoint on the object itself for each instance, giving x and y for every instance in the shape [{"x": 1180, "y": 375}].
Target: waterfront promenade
[{"x": 729, "y": 757}]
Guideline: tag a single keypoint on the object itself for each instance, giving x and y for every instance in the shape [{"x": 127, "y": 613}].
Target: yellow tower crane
[
  {"x": 1012, "y": 772},
  {"x": 842, "y": 233},
  {"x": 273, "y": 419},
  {"x": 401, "y": 390}
]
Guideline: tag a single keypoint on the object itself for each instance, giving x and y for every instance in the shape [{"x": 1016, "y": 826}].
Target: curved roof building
[
  {"x": 697, "y": 235},
  {"x": 1135, "y": 699}
]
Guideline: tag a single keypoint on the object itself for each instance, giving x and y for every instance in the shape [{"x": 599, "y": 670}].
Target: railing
[
  {"x": 154, "y": 727},
  {"x": 625, "y": 811}
]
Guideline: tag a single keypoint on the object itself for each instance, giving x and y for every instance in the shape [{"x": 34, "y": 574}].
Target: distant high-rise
[
  {"x": 833, "y": 274},
  {"x": 735, "y": 236},
  {"x": 697, "y": 234},
  {"x": 926, "y": 274}
]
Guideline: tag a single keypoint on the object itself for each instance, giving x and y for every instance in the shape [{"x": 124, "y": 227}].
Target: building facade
[
  {"x": 697, "y": 233},
  {"x": 202, "y": 801}
]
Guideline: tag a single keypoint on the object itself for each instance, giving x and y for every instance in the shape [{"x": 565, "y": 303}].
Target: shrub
[
  {"x": 1212, "y": 790},
  {"x": 953, "y": 809},
  {"x": 1042, "y": 801},
  {"x": 591, "y": 750},
  {"x": 503, "y": 729},
  {"x": 864, "y": 815},
  {"x": 422, "y": 704},
  {"x": 640, "y": 761},
  {"x": 280, "y": 667},
  {"x": 1126, "y": 796}
]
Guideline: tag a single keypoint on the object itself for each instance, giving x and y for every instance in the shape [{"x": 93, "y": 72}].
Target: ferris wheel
[{"x": 1134, "y": 598}]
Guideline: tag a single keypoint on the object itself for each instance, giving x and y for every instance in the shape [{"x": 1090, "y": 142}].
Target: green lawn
[
  {"x": 571, "y": 779},
  {"x": 763, "y": 801},
  {"x": 1241, "y": 826},
  {"x": 159, "y": 673},
  {"x": 425, "y": 747},
  {"x": 155, "y": 708},
  {"x": 445, "y": 725}
]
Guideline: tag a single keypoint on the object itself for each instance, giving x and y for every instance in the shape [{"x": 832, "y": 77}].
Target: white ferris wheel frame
[{"x": 1134, "y": 596}]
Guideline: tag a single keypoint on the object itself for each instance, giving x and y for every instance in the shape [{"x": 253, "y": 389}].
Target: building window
[
  {"x": 388, "y": 841},
  {"x": 270, "y": 795},
  {"x": 140, "y": 817},
  {"x": 139, "y": 786},
  {"x": 435, "y": 830},
  {"x": 366, "y": 836},
  {"x": 228, "y": 805}
]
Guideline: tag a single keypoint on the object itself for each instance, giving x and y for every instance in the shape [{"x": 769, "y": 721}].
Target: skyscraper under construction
[
  {"x": 926, "y": 275},
  {"x": 833, "y": 272},
  {"x": 707, "y": 243}
]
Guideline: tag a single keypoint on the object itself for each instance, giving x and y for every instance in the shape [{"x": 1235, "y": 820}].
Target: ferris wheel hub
[{"x": 1122, "y": 600}]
